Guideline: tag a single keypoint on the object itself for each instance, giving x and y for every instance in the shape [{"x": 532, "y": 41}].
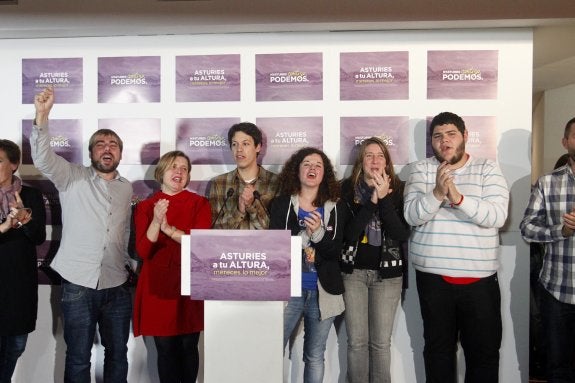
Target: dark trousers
[
  {"x": 559, "y": 329},
  {"x": 11, "y": 347},
  {"x": 470, "y": 314},
  {"x": 178, "y": 358}
]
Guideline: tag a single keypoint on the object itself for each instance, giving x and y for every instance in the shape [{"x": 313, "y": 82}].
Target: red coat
[{"x": 159, "y": 309}]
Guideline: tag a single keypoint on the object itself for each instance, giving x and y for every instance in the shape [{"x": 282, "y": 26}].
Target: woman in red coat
[{"x": 160, "y": 311}]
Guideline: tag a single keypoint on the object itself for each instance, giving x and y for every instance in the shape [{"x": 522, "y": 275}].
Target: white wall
[
  {"x": 44, "y": 356},
  {"x": 559, "y": 108}
]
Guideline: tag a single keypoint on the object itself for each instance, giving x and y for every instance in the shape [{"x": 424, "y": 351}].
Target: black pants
[
  {"x": 470, "y": 314},
  {"x": 178, "y": 358}
]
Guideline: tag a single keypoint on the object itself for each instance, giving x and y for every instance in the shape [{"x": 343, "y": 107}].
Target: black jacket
[
  {"x": 328, "y": 249},
  {"x": 389, "y": 210},
  {"x": 19, "y": 268}
]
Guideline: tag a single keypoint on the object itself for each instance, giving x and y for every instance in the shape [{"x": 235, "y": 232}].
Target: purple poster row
[
  {"x": 205, "y": 139},
  {"x": 457, "y": 74}
]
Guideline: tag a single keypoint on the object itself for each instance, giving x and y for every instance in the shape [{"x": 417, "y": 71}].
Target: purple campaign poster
[
  {"x": 393, "y": 131},
  {"x": 199, "y": 187},
  {"x": 374, "y": 76},
  {"x": 46, "y": 252},
  {"x": 141, "y": 138},
  {"x": 65, "y": 139},
  {"x": 464, "y": 75},
  {"x": 208, "y": 78},
  {"x": 144, "y": 189},
  {"x": 123, "y": 80},
  {"x": 205, "y": 140},
  {"x": 240, "y": 265},
  {"x": 51, "y": 200},
  {"x": 285, "y": 135},
  {"x": 289, "y": 77},
  {"x": 65, "y": 75},
  {"x": 482, "y": 134}
]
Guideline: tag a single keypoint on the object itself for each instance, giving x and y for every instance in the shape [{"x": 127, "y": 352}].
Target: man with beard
[
  {"x": 456, "y": 204},
  {"x": 550, "y": 219},
  {"x": 93, "y": 254}
]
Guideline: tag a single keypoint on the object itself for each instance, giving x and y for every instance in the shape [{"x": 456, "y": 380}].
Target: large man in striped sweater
[{"x": 456, "y": 204}]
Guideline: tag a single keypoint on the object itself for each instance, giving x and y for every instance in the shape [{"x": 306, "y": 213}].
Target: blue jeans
[
  {"x": 11, "y": 347},
  {"x": 558, "y": 319},
  {"x": 468, "y": 313},
  {"x": 370, "y": 307},
  {"x": 83, "y": 308},
  {"x": 316, "y": 332}
]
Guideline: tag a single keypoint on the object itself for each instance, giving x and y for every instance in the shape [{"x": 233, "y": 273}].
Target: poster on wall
[
  {"x": 289, "y": 77},
  {"x": 65, "y": 75},
  {"x": 285, "y": 135},
  {"x": 45, "y": 253},
  {"x": 205, "y": 140},
  {"x": 392, "y": 130},
  {"x": 51, "y": 200},
  {"x": 465, "y": 75},
  {"x": 374, "y": 76},
  {"x": 125, "y": 80},
  {"x": 482, "y": 136},
  {"x": 141, "y": 138},
  {"x": 240, "y": 265},
  {"x": 208, "y": 78},
  {"x": 199, "y": 187},
  {"x": 65, "y": 139}
]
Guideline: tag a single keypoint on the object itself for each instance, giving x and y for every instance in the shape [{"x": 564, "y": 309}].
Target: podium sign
[
  {"x": 243, "y": 308},
  {"x": 240, "y": 265}
]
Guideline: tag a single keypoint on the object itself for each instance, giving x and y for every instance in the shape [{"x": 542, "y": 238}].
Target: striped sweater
[{"x": 460, "y": 241}]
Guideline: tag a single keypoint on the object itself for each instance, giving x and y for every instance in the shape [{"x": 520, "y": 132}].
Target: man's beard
[
  {"x": 101, "y": 168},
  {"x": 459, "y": 153}
]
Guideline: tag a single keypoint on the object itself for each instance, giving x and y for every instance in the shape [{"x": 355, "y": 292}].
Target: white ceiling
[{"x": 553, "y": 21}]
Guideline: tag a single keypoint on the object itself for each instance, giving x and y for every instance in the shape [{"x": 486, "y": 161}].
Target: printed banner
[
  {"x": 374, "y": 76},
  {"x": 285, "y": 135},
  {"x": 393, "y": 131},
  {"x": 205, "y": 140},
  {"x": 141, "y": 138},
  {"x": 240, "y": 265},
  {"x": 462, "y": 75},
  {"x": 123, "y": 80},
  {"x": 45, "y": 253},
  {"x": 51, "y": 200},
  {"x": 199, "y": 187},
  {"x": 289, "y": 77},
  {"x": 208, "y": 78},
  {"x": 65, "y": 139},
  {"x": 65, "y": 75},
  {"x": 482, "y": 136}
]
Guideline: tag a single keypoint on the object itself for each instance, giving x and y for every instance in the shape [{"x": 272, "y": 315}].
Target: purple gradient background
[
  {"x": 188, "y": 91},
  {"x": 206, "y": 249},
  {"x": 486, "y": 61},
  {"x": 309, "y": 63},
  {"x": 278, "y": 150},
  {"x": 204, "y": 130},
  {"x": 394, "y": 128},
  {"x": 65, "y": 93},
  {"x": 141, "y": 137},
  {"x": 148, "y": 66},
  {"x": 396, "y": 89},
  {"x": 70, "y": 132},
  {"x": 482, "y": 138}
]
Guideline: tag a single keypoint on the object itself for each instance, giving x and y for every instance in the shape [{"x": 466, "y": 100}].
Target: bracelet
[{"x": 458, "y": 203}]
